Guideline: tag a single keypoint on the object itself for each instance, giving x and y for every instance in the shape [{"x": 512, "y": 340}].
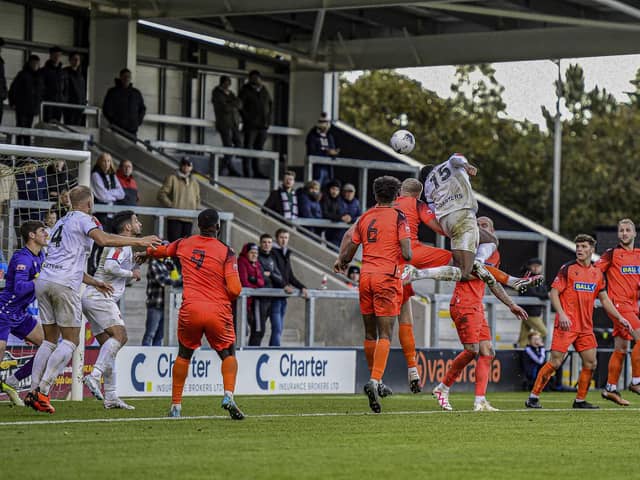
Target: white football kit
[
  {"x": 115, "y": 267},
  {"x": 58, "y": 285},
  {"x": 448, "y": 191}
]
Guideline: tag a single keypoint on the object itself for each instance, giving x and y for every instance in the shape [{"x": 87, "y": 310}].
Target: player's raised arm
[
  {"x": 111, "y": 240},
  {"x": 460, "y": 161},
  {"x": 504, "y": 297}
]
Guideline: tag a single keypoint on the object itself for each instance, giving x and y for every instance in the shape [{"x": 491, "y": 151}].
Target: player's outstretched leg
[
  {"x": 616, "y": 361},
  {"x": 447, "y": 273},
  {"x": 441, "y": 391},
  {"x": 544, "y": 375}
]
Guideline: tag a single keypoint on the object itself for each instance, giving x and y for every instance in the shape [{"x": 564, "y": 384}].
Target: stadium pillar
[
  {"x": 310, "y": 93},
  {"x": 112, "y": 47}
]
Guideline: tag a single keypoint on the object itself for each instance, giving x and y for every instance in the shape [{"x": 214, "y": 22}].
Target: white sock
[
  {"x": 57, "y": 361},
  {"x": 443, "y": 387},
  {"x": 227, "y": 393},
  {"x": 511, "y": 282},
  {"x": 635, "y": 380},
  {"x": 106, "y": 357},
  {"x": 40, "y": 361},
  {"x": 446, "y": 273},
  {"x": 413, "y": 371},
  {"x": 375, "y": 382},
  {"x": 480, "y": 398},
  {"x": 533, "y": 395},
  {"x": 610, "y": 387}
]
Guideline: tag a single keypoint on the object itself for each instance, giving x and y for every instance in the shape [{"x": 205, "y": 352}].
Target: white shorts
[
  {"x": 102, "y": 312},
  {"x": 461, "y": 227},
  {"x": 58, "y": 304}
]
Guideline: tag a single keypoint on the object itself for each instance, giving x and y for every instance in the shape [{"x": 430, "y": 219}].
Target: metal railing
[
  {"x": 91, "y": 110},
  {"x": 203, "y": 123},
  {"x": 216, "y": 153},
  {"x": 159, "y": 214},
  {"x": 363, "y": 167},
  {"x": 13, "y": 132}
]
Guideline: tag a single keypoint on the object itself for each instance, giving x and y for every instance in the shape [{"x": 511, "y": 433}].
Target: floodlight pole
[{"x": 557, "y": 153}]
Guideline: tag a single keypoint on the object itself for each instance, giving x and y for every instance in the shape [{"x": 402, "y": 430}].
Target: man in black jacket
[
  {"x": 272, "y": 279},
  {"x": 54, "y": 81},
  {"x": 226, "y": 107},
  {"x": 290, "y": 282},
  {"x": 25, "y": 96},
  {"x": 256, "y": 118},
  {"x": 123, "y": 104},
  {"x": 3, "y": 83},
  {"x": 76, "y": 90}
]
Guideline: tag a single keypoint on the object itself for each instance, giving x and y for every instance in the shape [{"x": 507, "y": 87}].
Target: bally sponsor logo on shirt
[
  {"x": 584, "y": 287},
  {"x": 630, "y": 269}
]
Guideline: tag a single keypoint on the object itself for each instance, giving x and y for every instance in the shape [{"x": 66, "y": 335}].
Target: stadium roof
[{"x": 369, "y": 34}]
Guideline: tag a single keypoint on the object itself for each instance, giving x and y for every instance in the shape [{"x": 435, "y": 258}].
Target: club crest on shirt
[
  {"x": 630, "y": 269},
  {"x": 584, "y": 287}
]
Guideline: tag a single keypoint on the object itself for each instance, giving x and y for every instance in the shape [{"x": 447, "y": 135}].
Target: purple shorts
[{"x": 20, "y": 328}]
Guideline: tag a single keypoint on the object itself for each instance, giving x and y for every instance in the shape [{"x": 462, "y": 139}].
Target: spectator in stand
[
  {"x": 129, "y": 185},
  {"x": 180, "y": 190},
  {"x": 76, "y": 90},
  {"x": 54, "y": 83},
  {"x": 535, "y": 322},
  {"x": 534, "y": 356},
  {"x": 354, "y": 276},
  {"x": 226, "y": 107},
  {"x": 256, "y": 118},
  {"x": 272, "y": 279},
  {"x": 4, "y": 92},
  {"x": 25, "y": 96},
  {"x": 64, "y": 204},
  {"x": 321, "y": 142},
  {"x": 251, "y": 276},
  {"x": 105, "y": 186},
  {"x": 58, "y": 179},
  {"x": 161, "y": 273},
  {"x": 350, "y": 204},
  {"x": 332, "y": 210},
  {"x": 124, "y": 105},
  {"x": 32, "y": 185},
  {"x": 279, "y": 305},
  {"x": 309, "y": 202},
  {"x": 283, "y": 200}
]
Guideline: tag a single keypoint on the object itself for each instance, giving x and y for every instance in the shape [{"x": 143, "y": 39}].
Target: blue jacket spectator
[
  {"x": 32, "y": 185},
  {"x": 321, "y": 142},
  {"x": 309, "y": 202},
  {"x": 350, "y": 205}
]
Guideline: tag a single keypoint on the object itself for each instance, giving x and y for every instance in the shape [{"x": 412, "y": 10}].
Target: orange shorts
[
  {"x": 562, "y": 340},
  {"x": 619, "y": 330},
  {"x": 213, "y": 321},
  {"x": 380, "y": 294},
  {"x": 424, "y": 256},
  {"x": 470, "y": 323}
]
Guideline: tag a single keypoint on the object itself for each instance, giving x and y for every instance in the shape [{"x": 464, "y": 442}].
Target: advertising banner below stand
[{"x": 147, "y": 372}]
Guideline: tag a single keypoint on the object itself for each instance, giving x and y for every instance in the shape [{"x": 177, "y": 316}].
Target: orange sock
[
  {"x": 583, "y": 383},
  {"x": 498, "y": 274},
  {"x": 408, "y": 342},
  {"x": 461, "y": 361},
  {"x": 179, "y": 374},
  {"x": 483, "y": 367},
  {"x": 546, "y": 372},
  {"x": 229, "y": 373},
  {"x": 635, "y": 360},
  {"x": 380, "y": 357},
  {"x": 369, "y": 348},
  {"x": 615, "y": 367}
]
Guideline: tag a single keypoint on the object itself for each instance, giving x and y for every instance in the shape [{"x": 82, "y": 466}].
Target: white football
[{"x": 403, "y": 141}]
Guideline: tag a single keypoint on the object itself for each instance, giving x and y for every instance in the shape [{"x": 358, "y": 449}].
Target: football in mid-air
[{"x": 403, "y": 141}]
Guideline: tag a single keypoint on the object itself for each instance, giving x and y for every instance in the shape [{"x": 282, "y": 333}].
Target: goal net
[{"x": 34, "y": 185}]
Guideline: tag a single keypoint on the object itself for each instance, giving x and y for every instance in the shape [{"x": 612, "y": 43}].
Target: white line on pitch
[{"x": 286, "y": 415}]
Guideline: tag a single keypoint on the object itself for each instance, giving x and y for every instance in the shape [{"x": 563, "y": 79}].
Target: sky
[{"x": 528, "y": 85}]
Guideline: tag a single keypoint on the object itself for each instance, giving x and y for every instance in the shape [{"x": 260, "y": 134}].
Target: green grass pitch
[{"x": 322, "y": 437}]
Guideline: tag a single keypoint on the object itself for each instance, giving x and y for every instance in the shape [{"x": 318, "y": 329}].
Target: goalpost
[{"x": 33, "y": 184}]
